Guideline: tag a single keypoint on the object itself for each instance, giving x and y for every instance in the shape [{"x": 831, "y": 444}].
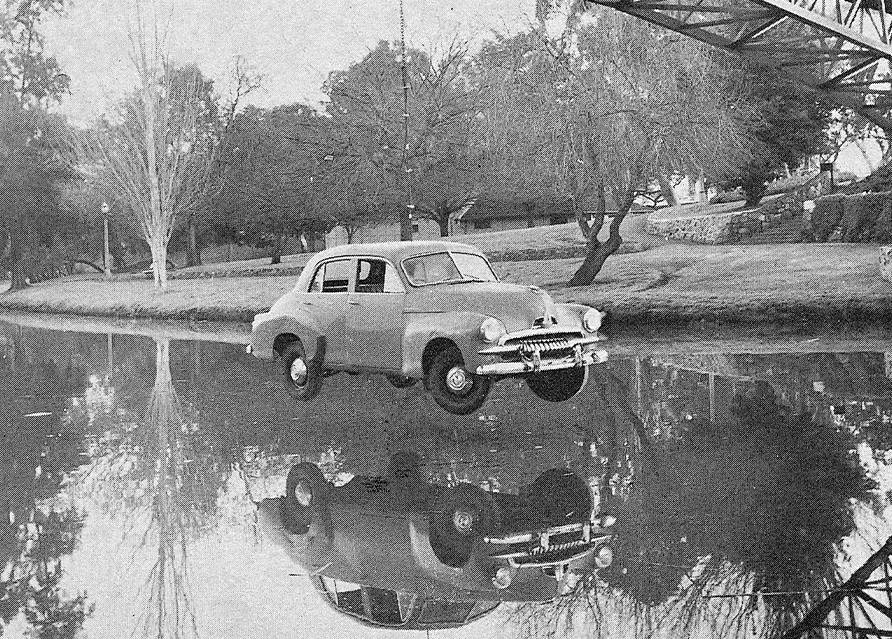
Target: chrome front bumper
[
  {"x": 542, "y": 551},
  {"x": 584, "y": 354}
]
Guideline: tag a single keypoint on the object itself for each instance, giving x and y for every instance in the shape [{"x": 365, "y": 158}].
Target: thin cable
[{"x": 405, "y": 215}]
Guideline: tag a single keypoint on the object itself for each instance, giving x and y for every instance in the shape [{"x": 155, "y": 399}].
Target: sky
[{"x": 294, "y": 44}]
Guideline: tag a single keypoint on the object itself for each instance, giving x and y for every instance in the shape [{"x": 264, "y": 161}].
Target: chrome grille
[
  {"x": 544, "y": 344},
  {"x": 555, "y": 553}
]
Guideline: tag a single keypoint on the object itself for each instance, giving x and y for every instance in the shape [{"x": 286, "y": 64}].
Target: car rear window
[{"x": 331, "y": 277}]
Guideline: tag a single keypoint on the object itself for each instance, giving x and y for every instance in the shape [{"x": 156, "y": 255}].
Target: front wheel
[
  {"x": 459, "y": 516},
  {"x": 302, "y": 377},
  {"x": 560, "y": 385},
  {"x": 453, "y": 387}
]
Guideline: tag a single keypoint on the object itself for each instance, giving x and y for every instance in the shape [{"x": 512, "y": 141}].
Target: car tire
[
  {"x": 459, "y": 517},
  {"x": 303, "y": 379},
  {"x": 558, "y": 386},
  {"x": 399, "y": 381},
  {"x": 560, "y": 496},
  {"x": 306, "y": 491},
  {"x": 444, "y": 382}
]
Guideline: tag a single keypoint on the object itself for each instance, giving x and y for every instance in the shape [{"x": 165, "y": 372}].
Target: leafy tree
[
  {"x": 602, "y": 110},
  {"x": 30, "y": 81},
  {"x": 26, "y": 72},
  {"x": 269, "y": 166},
  {"x": 362, "y": 179},
  {"x": 31, "y": 175},
  {"x": 788, "y": 127}
]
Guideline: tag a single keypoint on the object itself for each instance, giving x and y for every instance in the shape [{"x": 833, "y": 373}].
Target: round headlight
[
  {"x": 491, "y": 330},
  {"x": 592, "y": 320},
  {"x": 604, "y": 557},
  {"x": 503, "y": 577}
]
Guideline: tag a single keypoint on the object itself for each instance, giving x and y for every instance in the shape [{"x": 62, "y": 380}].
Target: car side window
[
  {"x": 331, "y": 277},
  {"x": 377, "y": 276}
]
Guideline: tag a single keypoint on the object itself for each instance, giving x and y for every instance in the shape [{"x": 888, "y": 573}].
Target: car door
[
  {"x": 375, "y": 316},
  {"x": 326, "y": 301}
]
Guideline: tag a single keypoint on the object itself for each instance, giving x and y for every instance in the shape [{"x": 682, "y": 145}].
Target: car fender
[
  {"x": 569, "y": 314},
  {"x": 462, "y": 328},
  {"x": 268, "y": 326}
]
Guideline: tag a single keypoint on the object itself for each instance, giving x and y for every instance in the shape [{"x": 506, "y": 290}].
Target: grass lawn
[{"x": 670, "y": 282}]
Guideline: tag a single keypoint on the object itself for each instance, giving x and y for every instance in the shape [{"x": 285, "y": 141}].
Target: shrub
[
  {"x": 864, "y": 217},
  {"x": 826, "y": 216}
]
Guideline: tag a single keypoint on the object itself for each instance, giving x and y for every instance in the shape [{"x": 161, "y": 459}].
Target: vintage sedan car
[
  {"x": 401, "y": 551},
  {"x": 425, "y": 310}
]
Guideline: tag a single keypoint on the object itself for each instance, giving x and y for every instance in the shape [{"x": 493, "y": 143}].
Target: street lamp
[{"x": 106, "y": 258}]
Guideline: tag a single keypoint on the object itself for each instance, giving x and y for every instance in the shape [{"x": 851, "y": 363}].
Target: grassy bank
[{"x": 674, "y": 282}]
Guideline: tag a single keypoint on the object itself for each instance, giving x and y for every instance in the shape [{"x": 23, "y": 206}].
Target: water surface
[{"x": 132, "y": 457}]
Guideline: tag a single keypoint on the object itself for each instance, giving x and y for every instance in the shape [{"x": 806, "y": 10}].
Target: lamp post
[{"x": 106, "y": 257}]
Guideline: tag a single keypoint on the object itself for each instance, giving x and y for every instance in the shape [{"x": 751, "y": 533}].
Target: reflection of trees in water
[
  {"x": 162, "y": 473},
  {"x": 755, "y": 504},
  {"x": 37, "y": 528}
]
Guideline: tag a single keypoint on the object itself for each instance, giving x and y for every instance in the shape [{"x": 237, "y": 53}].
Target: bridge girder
[{"x": 840, "y": 48}]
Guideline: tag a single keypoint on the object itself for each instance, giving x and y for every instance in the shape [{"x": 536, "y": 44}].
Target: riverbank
[{"x": 671, "y": 283}]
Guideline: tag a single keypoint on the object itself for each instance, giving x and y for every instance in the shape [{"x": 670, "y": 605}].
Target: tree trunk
[
  {"x": 598, "y": 253},
  {"x": 443, "y": 220},
  {"x": 158, "y": 248},
  {"x": 666, "y": 190},
  {"x": 193, "y": 254},
  {"x": 158, "y": 219},
  {"x": 276, "y": 257},
  {"x": 18, "y": 276}
]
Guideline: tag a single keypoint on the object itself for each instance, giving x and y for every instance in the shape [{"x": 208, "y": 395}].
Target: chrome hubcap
[
  {"x": 298, "y": 372},
  {"x": 463, "y": 521},
  {"x": 457, "y": 379},
  {"x": 303, "y": 493}
]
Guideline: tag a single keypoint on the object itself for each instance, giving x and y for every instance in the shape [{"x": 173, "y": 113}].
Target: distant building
[
  {"x": 381, "y": 232},
  {"x": 495, "y": 215},
  {"x": 498, "y": 215}
]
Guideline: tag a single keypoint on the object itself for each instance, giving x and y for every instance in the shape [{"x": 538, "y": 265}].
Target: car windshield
[
  {"x": 438, "y": 268},
  {"x": 474, "y": 267}
]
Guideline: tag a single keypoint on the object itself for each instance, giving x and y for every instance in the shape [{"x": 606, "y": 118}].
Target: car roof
[{"x": 394, "y": 251}]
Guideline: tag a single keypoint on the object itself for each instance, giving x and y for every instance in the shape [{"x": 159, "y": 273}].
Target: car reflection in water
[{"x": 397, "y": 551}]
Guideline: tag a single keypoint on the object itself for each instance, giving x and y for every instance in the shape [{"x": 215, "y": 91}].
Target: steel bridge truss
[
  {"x": 860, "y": 608},
  {"x": 841, "y": 48}
]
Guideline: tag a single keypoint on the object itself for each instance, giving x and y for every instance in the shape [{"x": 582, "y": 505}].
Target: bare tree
[{"x": 154, "y": 155}]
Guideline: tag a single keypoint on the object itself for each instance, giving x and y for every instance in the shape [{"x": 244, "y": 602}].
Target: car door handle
[{"x": 353, "y": 302}]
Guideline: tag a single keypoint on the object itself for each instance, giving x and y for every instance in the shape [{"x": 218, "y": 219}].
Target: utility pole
[{"x": 406, "y": 212}]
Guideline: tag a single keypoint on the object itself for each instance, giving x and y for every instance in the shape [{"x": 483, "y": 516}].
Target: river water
[{"x": 132, "y": 457}]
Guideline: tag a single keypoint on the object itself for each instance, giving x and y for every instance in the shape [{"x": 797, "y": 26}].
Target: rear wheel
[
  {"x": 558, "y": 386},
  {"x": 305, "y": 491},
  {"x": 303, "y": 378},
  {"x": 459, "y": 516},
  {"x": 453, "y": 387}
]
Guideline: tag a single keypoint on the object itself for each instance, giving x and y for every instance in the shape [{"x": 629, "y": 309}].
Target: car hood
[{"x": 516, "y": 305}]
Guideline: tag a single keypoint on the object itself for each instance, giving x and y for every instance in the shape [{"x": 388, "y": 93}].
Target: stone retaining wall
[
  {"x": 701, "y": 229},
  {"x": 726, "y": 228}
]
